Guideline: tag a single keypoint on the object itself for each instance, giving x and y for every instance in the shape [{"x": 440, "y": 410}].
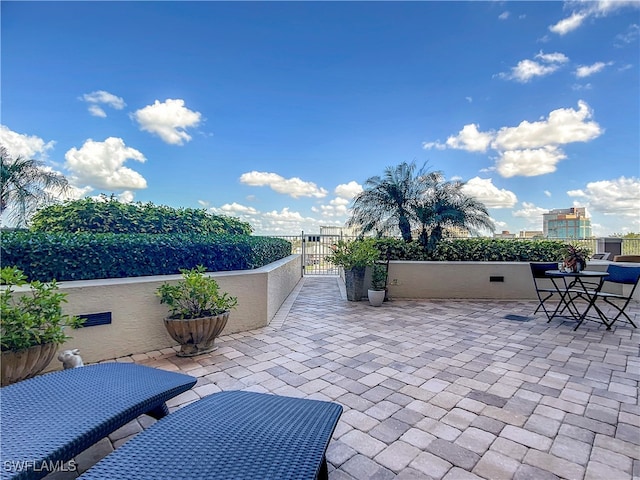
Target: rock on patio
[{"x": 436, "y": 389}]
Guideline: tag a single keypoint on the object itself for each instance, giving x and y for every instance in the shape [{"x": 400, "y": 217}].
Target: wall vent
[{"x": 93, "y": 319}]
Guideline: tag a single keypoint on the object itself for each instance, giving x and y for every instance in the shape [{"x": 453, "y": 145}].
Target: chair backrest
[
  {"x": 538, "y": 268},
  {"x": 626, "y": 275},
  {"x": 627, "y": 258}
]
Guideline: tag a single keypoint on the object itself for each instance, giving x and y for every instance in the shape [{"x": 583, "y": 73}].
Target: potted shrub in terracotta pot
[
  {"x": 354, "y": 257},
  {"x": 32, "y": 326},
  {"x": 198, "y": 311}
]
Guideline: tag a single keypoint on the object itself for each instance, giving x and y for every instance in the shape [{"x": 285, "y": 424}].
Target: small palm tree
[
  {"x": 444, "y": 205},
  {"x": 386, "y": 203},
  {"x": 26, "y": 185}
]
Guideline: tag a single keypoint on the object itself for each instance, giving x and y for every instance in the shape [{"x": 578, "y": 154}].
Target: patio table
[
  {"x": 49, "y": 419},
  {"x": 585, "y": 284}
]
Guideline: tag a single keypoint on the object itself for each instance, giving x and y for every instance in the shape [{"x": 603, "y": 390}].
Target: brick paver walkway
[{"x": 437, "y": 389}]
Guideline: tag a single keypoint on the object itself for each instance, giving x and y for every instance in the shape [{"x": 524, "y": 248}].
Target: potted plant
[
  {"x": 378, "y": 288},
  {"x": 575, "y": 257},
  {"x": 354, "y": 257},
  {"x": 198, "y": 311},
  {"x": 31, "y": 325}
]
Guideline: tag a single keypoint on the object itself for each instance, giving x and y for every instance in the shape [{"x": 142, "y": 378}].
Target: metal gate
[{"x": 315, "y": 248}]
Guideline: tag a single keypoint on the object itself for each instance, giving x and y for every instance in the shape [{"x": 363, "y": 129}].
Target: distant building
[
  {"x": 504, "y": 234},
  {"x": 531, "y": 234},
  {"x": 456, "y": 232},
  {"x": 567, "y": 223}
]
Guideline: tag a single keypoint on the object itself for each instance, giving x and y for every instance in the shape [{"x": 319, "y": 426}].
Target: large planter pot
[
  {"x": 376, "y": 297},
  {"x": 22, "y": 364},
  {"x": 196, "y": 335},
  {"x": 354, "y": 283}
]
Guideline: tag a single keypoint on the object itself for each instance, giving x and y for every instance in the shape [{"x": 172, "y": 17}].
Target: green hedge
[
  {"x": 85, "y": 256},
  {"x": 476, "y": 249},
  {"x": 108, "y": 215}
]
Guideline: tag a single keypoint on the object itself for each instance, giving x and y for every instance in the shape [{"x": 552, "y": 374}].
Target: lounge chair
[
  {"x": 229, "y": 435},
  {"x": 49, "y": 419}
]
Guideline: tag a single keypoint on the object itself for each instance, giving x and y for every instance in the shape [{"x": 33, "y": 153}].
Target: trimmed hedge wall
[
  {"x": 475, "y": 250},
  {"x": 86, "y": 256}
]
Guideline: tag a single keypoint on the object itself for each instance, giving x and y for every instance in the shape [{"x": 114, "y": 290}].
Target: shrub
[
  {"x": 32, "y": 319},
  {"x": 108, "y": 215},
  {"x": 195, "y": 296},
  {"x": 85, "y": 256},
  {"x": 475, "y": 249}
]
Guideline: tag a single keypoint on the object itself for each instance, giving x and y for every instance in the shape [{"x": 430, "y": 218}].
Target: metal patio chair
[
  {"x": 545, "y": 289},
  {"x": 619, "y": 276}
]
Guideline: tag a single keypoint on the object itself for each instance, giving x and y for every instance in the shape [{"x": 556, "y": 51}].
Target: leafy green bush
[
  {"x": 475, "y": 249},
  {"x": 359, "y": 253},
  {"x": 32, "y": 319},
  {"x": 195, "y": 296},
  {"x": 85, "y": 256},
  {"x": 108, "y": 215}
]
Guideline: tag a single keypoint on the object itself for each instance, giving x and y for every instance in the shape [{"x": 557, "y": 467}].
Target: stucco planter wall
[
  {"x": 137, "y": 324},
  {"x": 473, "y": 280}
]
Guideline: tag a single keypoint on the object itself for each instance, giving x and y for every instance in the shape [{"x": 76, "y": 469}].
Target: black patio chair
[
  {"x": 545, "y": 289},
  {"x": 619, "y": 276}
]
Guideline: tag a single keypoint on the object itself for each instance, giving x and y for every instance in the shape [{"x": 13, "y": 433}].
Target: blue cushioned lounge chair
[{"x": 49, "y": 419}]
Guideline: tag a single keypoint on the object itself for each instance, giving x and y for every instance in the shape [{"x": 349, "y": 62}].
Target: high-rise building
[{"x": 567, "y": 223}]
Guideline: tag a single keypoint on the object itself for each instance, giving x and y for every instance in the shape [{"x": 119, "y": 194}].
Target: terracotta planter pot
[
  {"x": 27, "y": 363},
  {"x": 197, "y": 335}
]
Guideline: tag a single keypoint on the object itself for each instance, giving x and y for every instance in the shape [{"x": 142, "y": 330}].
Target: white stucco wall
[
  {"x": 137, "y": 314},
  {"x": 465, "y": 279}
]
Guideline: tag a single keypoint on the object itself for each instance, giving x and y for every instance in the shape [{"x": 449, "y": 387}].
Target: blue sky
[{"x": 277, "y": 112}]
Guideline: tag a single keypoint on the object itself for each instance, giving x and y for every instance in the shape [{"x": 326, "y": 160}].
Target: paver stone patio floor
[{"x": 436, "y": 389}]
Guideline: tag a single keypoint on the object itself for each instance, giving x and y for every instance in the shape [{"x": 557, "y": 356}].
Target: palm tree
[
  {"x": 386, "y": 203},
  {"x": 444, "y": 205},
  {"x": 25, "y": 185}
]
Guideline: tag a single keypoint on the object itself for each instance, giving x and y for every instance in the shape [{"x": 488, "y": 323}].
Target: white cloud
[
  {"x": 547, "y": 193},
  {"x": 338, "y": 207},
  {"x": 618, "y": 197},
  {"x": 589, "y": 9},
  {"x": 531, "y": 148},
  {"x": 101, "y": 165},
  {"x": 532, "y": 215},
  {"x": 126, "y": 196},
  {"x": 283, "y": 222},
  {"x": 96, "y": 111},
  {"x": 237, "y": 209},
  {"x": 483, "y": 190},
  {"x": 168, "y": 120},
  {"x": 100, "y": 97},
  {"x": 527, "y": 69},
  {"x": 348, "y": 190},
  {"x": 470, "y": 139},
  {"x": 588, "y": 70},
  {"x": 629, "y": 36},
  {"x": 555, "y": 57},
  {"x": 504, "y": 15},
  {"x": 22, "y": 145},
  {"x": 568, "y": 24},
  {"x": 529, "y": 162},
  {"x": 293, "y": 187},
  {"x": 563, "y": 126},
  {"x": 437, "y": 145}
]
